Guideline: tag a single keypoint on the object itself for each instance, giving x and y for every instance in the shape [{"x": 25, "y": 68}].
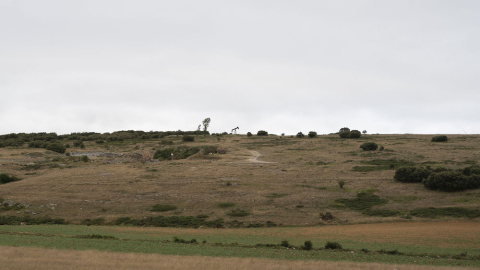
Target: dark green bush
[
  {"x": 13, "y": 220},
  {"x": 56, "y": 147},
  {"x": 85, "y": 159},
  {"x": 300, "y": 135},
  {"x": 369, "y": 146},
  {"x": 312, "y": 134},
  {"x": 96, "y": 221},
  {"x": 441, "y": 178},
  {"x": 249, "y": 134},
  {"x": 262, "y": 133},
  {"x": 211, "y": 149},
  {"x": 173, "y": 221},
  {"x": 441, "y": 138},
  {"x": 96, "y": 236},
  {"x": 37, "y": 144},
  {"x": 308, "y": 245},
  {"x": 164, "y": 154},
  {"x": 381, "y": 212},
  {"x": 5, "y": 178},
  {"x": 238, "y": 213},
  {"x": 226, "y": 205},
  {"x": 285, "y": 243},
  {"x": 333, "y": 245},
  {"x": 354, "y": 134},
  {"x": 471, "y": 170},
  {"x": 163, "y": 208},
  {"x": 451, "y": 181},
  {"x": 458, "y": 212},
  {"x": 346, "y": 133},
  {"x": 363, "y": 201},
  {"x": 188, "y": 138},
  {"x": 412, "y": 174},
  {"x": 78, "y": 143},
  {"x": 327, "y": 216}
]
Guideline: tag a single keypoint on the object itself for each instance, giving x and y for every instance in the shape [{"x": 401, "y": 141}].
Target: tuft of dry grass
[{"x": 23, "y": 258}]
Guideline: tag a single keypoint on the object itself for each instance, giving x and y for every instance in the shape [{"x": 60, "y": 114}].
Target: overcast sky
[{"x": 282, "y": 66}]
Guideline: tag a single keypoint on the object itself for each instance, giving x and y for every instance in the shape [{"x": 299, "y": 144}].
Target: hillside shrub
[
  {"x": 164, "y": 154},
  {"x": 441, "y": 138},
  {"x": 346, "y": 133},
  {"x": 249, "y": 134},
  {"x": 37, "y": 144},
  {"x": 78, "y": 144},
  {"x": 411, "y": 174},
  {"x": 163, "y": 208},
  {"x": 56, "y": 147},
  {"x": 441, "y": 179},
  {"x": 13, "y": 220},
  {"x": 285, "y": 243},
  {"x": 471, "y": 170},
  {"x": 451, "y": 181},
  {"x": 171, "y": 221},
  {"x": 183, "y": 152},
  {"x": 96, "y": 236},
  {"x": 381, "y": 212},
  {"x": 300, "y": 135},
  {"x": 459, "y": 212},
  {"x": 5, "y": 178},
  {"x": 333, "y": 245},
  {"x": 307, "y": 245},
  {"x": 188, "y": 138},
  {"x": 326, "y": 216},
  {"x": 363, "y": 201},
  {"x": 312, "y": 134},
  {"x": 262, "y": 133},
  {"x": 354, "y": 134},
  {"x": 238, "y": 213},
  {"x": 226, "y": 204},
  {"x": 96, "y": 221},
  {"x": 369, "y": 146}
]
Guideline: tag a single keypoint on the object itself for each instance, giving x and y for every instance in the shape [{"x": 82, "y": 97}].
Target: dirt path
[{"x": 255, "y": 156}]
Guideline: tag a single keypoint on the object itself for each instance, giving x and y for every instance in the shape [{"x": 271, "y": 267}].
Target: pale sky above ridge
[{"x": 280, "y": 66}]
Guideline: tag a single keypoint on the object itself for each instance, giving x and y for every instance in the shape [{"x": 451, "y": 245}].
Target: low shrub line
[{"x": 441, "y": 179}]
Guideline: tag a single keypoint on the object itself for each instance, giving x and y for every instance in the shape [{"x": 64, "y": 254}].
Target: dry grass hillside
[{"x": 282, "y": 180}]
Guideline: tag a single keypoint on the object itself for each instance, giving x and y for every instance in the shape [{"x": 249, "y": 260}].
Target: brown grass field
[
  {"x": 22, "y": 258},
  {"x": 299, "y": 182}
]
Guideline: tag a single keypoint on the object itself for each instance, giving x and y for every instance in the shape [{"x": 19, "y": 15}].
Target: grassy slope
[{"x": 300, "y": 182}]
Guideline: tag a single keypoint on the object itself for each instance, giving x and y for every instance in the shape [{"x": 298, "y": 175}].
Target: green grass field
[{"x": 253, "y": 242}]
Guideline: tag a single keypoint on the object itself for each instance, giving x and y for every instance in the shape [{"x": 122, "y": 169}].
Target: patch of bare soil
[{"x": 255, "y": 156}]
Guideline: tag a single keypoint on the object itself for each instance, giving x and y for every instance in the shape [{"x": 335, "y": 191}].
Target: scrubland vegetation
[{"x": 196, "y": 181}]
